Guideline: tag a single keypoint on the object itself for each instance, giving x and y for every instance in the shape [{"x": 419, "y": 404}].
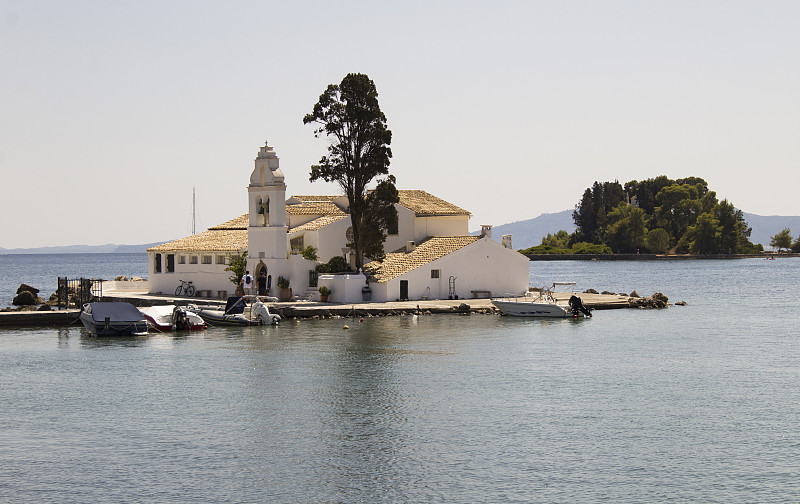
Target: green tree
[
  {"x": 591, "y": 213},
  {"x": 350, "y": 116},
  {"x": 658, "y": 241},
  {"x": 237, "y": 265},
  {"x": 704, "y": 236},
  {"x": 626, "y": 232},
  {"x": 560, "y": 240},
  {"x": 734, "y": 231},
  {"x": 796, "y": 245},
  {"x": 782, "y": 240}
]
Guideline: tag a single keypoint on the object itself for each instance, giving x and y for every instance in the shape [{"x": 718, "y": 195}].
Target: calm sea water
[
  {"x": 689, "y": 404},
  {"x": 42, "y": 270}
]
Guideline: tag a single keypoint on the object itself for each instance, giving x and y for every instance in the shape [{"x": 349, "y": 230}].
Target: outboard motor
[
  {"x": 261, "y": 312},
  {"x": 179, "y": 319},
  {"x": 578, "y": 307}
]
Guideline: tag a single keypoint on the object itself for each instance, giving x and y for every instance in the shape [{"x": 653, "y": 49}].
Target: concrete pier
[{"x": 300, "y": 309}]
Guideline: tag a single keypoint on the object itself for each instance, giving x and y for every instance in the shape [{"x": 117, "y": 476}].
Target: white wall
[
  {"x": 214, "y": 277},
  {"x": 203, "y": 276},
  {"x": 345, "y": 288},
  {"x": 484, "y": 265},
  {"x": 456, "y": 225},
  {"x": 330, "y": 239},
  {"x": 405, "y": 230}
]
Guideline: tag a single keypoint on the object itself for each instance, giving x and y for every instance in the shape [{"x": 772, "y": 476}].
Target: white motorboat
[
  {"x": 542, "y": 304},
  {"x": 169, "y": 317}
]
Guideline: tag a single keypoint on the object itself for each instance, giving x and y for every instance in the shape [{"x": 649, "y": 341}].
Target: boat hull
[
  {"x": 219, "y": 318},
  {"x": 531, "y": 309}
]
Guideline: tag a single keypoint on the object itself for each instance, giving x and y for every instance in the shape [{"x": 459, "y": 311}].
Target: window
[
  {"x": 297, "y": 243},
  {"x": 192, "y": 259},
  {"x": 349, "y": 235},
  {"x": 170, "y": 263},
  {"x": 157, "y": 264},
  {"x": 206, "y": 259},
  {"x": 435, "y": 273},
  {"x": 220, "y": 259},
  {"x": 182, "y": 259},
  {"x": 394, "y": 228}
]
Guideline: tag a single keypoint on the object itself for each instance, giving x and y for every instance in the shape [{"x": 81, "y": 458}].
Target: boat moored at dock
[
  {"x": 169, "y": 317},
  {"x": 238, "y": 312},
  {"x": 542, "y": 304},
  {"x": 113, "y": 319}
]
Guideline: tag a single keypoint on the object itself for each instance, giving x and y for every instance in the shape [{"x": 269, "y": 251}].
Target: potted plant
[
  {"x": 324, "y": 292},
  {"x": 284, "y": 292}
]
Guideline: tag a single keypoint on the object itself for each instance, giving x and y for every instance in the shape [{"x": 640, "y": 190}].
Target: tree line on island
[{"x": 658, "y": 215}]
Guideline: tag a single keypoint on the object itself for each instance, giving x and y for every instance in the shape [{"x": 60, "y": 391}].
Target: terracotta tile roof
[
  {"x": 240, "y": 222},
  {"x": 425, "y": 204},
  {"x": 316, "y": 198},
  {"x": 314, "y": 207},
  {"x": 318, "y": 223},
  {"x": 213, "y": 240},
  {"x": 401, "y": 262}
]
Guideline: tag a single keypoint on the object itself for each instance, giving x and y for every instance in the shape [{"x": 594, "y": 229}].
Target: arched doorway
[{"x": 262, "y": 283}]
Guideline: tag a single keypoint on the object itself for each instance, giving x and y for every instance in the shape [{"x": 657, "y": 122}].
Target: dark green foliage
[
  {"x": 309, "y": 253},
  {"x": 796, "y": 245},
  {"x": 337, "y": 264},
  {"x": 682, "y": 215},
  {"x": 590, "y": 248},
  {"x": 782, "y": 240},
  {"x": 591, "y": 212},
  {"x": 578, "y": 248},
  {"x": 359, "y": 152},
  {"x": 658, "y": 241},
  {"x": 558, "y": 240}
]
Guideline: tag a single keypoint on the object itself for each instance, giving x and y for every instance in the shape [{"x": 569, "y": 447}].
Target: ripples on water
[{"x": 694, "y": 404}]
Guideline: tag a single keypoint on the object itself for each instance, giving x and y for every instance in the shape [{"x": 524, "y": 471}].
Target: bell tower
[{"x": 267, "y": 233}]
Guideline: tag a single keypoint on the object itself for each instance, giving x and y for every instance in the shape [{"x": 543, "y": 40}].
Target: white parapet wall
[{"x": 346, "y": 288}]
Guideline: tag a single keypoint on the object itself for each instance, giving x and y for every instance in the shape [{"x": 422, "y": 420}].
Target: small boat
[
  {"x": 238, "y": 313},
  {"x": 113, "y": 319},
  {"x": 169, "y": 317},
  {"x": 544, "y": 304}
]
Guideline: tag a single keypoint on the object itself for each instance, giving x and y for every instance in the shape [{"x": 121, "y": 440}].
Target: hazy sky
[{"x": 111, "y": 112}]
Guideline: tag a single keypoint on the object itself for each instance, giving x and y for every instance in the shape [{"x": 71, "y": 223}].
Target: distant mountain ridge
[
  {"x": 83, "y": 249},
  {"x": 524, "y": 234},
  {"x": 529, "y": 233}
]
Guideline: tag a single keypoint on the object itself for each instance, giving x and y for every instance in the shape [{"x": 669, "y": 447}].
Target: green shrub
[{"x": 337, "y": 264}]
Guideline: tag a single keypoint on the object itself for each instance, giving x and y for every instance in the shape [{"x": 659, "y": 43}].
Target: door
[{"x": 403, "y": 290}]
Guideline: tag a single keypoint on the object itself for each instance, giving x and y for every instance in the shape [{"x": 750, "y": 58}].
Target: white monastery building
[{"x": 429, "y": 256}]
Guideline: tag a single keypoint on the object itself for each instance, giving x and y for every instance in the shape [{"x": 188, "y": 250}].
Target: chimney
[
  {"x": 410, "y": 246},
  {"x": 507, "y": 241},
  {"x": 486, "y": 231}
]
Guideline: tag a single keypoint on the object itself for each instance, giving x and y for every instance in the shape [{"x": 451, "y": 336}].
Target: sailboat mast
[{"x": 193, "y": 212}]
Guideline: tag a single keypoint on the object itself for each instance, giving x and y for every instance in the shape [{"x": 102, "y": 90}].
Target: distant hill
[
  {"x": 765, "y": 227},
  {"x": 83, "y": 249},
  {"x": 529, "y": 233}
]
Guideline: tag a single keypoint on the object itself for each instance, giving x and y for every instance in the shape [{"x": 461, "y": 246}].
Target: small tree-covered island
[{"x": 657, "y": 215}]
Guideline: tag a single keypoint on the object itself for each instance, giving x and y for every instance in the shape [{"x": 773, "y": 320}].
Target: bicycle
[{"x": 186, "y": 287}]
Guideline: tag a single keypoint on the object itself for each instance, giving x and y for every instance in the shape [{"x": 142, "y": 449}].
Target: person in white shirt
[{"x": 247, "y": 280}]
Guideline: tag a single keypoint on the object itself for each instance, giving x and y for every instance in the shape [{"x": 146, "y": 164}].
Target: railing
[{"x": 76, "y": 292}]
